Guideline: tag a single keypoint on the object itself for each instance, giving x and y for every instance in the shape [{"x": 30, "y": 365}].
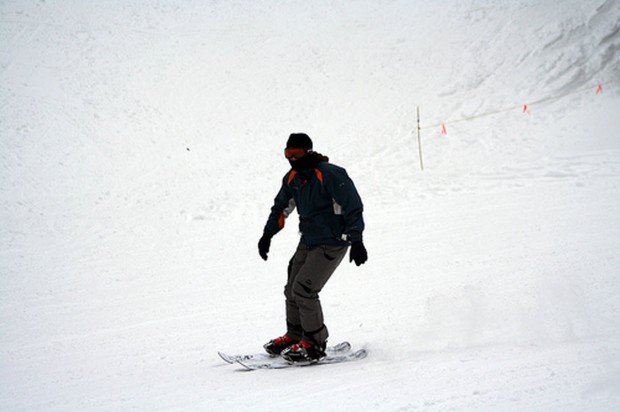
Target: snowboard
[{"x": 335, "y": 354}]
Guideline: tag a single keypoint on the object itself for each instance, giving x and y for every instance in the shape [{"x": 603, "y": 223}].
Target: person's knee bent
[
  {"x": 288, "y": 293},
  {"x": 302, "y": 291}
]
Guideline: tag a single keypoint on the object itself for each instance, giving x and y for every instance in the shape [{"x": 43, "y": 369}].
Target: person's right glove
[
  {"x": 358, "y": 253},
  {"x": 263, "y": 246}
]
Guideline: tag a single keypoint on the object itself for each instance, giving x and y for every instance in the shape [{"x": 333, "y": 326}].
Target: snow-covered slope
[{"x": 141, "y": 146}]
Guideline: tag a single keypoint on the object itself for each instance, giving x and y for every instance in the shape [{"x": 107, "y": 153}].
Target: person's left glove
[
  {"x": 358, "y": 253},
  {"x": 263, "y": 246}
]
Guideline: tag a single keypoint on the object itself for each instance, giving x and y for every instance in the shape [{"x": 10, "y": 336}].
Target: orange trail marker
[
  {"x": 443, "y": 129},
  {"x": 599, "y": 89}
]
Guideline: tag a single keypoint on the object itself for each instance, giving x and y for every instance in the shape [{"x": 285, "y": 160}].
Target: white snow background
[{"x": 141, "y": 145}]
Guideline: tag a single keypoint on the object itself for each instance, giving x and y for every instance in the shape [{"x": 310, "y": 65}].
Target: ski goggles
[{"x": 294, "y": 152}]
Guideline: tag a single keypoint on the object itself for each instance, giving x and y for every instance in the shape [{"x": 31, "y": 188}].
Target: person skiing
[{"x": 330, "y": 219}]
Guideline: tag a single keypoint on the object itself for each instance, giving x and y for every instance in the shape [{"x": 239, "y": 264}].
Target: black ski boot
[
  {"x": 277, "y": 345},
  {"x": 304, "y": 351}
]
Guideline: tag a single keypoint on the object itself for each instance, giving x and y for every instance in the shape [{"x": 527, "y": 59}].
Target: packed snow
[{"x": 142, "y": 145}]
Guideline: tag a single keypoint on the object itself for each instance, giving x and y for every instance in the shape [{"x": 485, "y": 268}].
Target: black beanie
[{"x": 299, "y": 141}]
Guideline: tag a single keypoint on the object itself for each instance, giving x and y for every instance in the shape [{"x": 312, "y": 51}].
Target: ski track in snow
[{"x": 141, "y": 150}]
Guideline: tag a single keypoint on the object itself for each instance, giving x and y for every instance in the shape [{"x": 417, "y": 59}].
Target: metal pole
[{"x": 419, "y": 140}]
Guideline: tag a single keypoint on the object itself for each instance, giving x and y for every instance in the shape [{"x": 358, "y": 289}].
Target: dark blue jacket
[{"x": 329, "y": 207}]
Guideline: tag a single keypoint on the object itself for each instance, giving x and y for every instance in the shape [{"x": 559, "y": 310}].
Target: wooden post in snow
[{"x": 419, "y": 140}]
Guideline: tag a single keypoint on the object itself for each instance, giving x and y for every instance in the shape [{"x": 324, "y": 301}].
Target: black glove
[
  {"x": 358, "y": 253},
  {"x": 263, "y": 246}
]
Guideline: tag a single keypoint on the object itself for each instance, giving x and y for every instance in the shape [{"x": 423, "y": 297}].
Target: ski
[
  {"x": 279, "y": 363},
  {"x": 342, "y": 347}
]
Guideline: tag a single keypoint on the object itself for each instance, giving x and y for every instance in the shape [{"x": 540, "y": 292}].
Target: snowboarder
[{"x": 330, "y": 219}]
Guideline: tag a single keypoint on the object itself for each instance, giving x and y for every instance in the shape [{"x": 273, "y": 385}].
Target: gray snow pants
[{"x": 308, "y": 271}]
